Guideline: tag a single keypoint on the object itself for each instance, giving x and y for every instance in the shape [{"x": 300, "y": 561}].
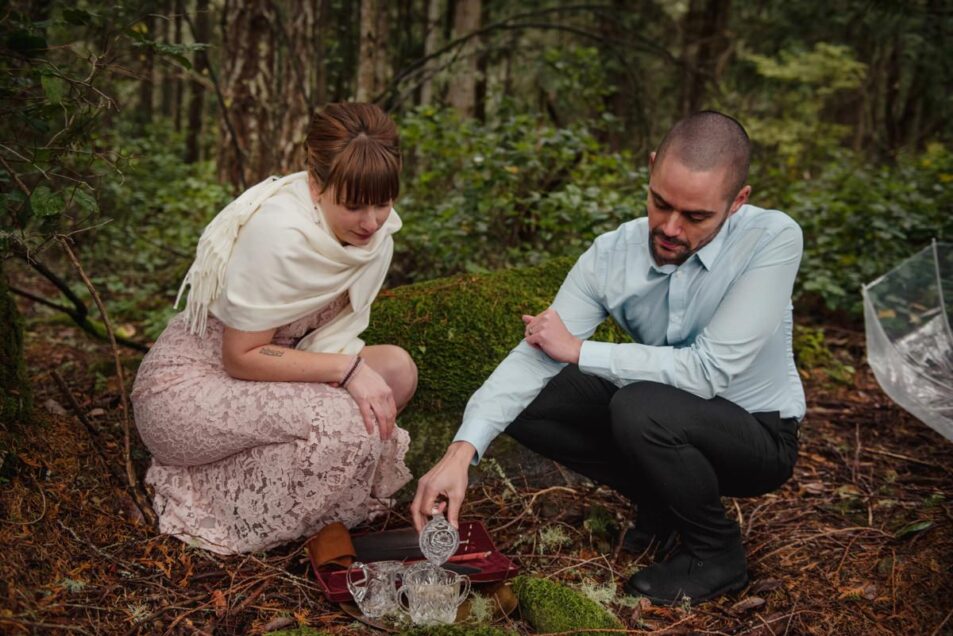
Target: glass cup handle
[
  {"x": 402, "y": 595},
  {"x": 358, "y": 592},
  {"x": 465, "y": 584}
]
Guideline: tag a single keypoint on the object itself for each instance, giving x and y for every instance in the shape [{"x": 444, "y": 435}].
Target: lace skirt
[{"x": 241, "y": 466}]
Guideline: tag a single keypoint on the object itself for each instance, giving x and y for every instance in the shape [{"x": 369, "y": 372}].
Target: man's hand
[
  {"x": 546, "y": 331},
  {"x": 447, "y": 478}
]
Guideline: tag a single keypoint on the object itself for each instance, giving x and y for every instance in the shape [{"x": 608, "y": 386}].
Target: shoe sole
[{"x": 728, "y": 588}]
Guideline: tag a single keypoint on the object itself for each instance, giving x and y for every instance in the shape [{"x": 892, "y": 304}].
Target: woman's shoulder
[{"x": 285, "y": 213}]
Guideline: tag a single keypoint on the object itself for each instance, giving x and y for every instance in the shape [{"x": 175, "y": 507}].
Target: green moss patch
[
  {"x": 457, "y": 630},
  {"x": 551, "y": 607}
]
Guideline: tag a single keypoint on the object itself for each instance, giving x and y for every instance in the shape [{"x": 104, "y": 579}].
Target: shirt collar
[{"x": 709, "y": 254}]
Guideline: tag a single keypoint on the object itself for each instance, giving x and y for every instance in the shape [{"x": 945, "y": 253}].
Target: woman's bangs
[{"x": 365, "y": 175}]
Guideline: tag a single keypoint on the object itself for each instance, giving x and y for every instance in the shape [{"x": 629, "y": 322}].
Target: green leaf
[
  {"x": 55, "y": 89},
  {"x": 46, "y": 203},
  {"x": 85, "y": 201},
  {"x": 913, "y": 528}
]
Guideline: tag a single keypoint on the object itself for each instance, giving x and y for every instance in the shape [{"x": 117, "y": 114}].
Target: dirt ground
[{"x": 860, "y": 541}]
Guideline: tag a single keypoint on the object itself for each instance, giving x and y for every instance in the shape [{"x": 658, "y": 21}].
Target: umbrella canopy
[{"x": 909, "y": 341}]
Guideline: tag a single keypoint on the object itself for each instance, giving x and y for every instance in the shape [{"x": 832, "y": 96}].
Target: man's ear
[
  {"x": 651, "y": 160},
  {"x": 740, "y": 199}
]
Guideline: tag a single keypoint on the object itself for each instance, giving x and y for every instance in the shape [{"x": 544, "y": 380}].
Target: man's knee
[{"x": 640, "y": 414}]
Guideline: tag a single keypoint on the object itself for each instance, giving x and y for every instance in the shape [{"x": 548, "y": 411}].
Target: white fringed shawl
[{"x": 268, "y": 259}]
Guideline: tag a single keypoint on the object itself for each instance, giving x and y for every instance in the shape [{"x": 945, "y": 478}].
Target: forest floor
[{"x": 860, "y": 541}]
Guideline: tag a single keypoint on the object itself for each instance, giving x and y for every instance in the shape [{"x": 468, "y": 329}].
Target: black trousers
[{"x": 673, "y": 453}]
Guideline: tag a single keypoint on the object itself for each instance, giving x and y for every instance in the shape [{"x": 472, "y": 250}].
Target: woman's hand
[{"x": 375, "y": 399}]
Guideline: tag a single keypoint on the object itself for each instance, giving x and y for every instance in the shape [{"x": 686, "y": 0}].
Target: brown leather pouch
[{"x": 331, "y": 547}]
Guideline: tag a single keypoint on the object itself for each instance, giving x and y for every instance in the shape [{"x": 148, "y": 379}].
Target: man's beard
[
  {"x": 678, "y": 259},
  {"x": 682, "y": 256}
]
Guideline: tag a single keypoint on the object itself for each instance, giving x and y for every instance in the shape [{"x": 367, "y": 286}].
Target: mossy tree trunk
[{"x": 15, "y": 395}]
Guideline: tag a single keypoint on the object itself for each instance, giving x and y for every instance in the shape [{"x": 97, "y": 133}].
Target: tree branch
[
  {"x": 239, "y": 155},
  {"x": 127, "y": 452},
  {"x": 81, "y": 321}
]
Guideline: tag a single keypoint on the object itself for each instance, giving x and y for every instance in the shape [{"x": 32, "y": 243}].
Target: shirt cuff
[
  {"x": 595, "y": 358},
  {"x": 472, "y": 434}
]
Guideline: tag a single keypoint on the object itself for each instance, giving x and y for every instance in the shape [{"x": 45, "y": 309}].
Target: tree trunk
[
  {"x": 193, "y": 140},
  {"x": 167, "y": 96},
  {"x": 462, "y": 91},
  {"x": 431, "y": 42},
  {"x": 322, "y": 30},
  {"x": 266, "y": 71},
  {"x": 247, "y": 63},
  {"x": 293, "y": 86},
  {"x": 179, "y": 8},
  {"x": 704, "y": 42},
  {"x": 15, "y": 393},
  {"x": 372, "y": 61},
  {"x": 146, "y": 81}
]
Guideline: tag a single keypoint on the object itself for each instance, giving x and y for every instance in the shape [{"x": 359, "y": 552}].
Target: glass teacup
[
  {"x": 374, "y": 586},
  {"x": 431, "y": 594}
]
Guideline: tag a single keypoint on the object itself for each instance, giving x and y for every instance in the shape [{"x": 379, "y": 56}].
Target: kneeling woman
[{"x": 266, "y": 415}]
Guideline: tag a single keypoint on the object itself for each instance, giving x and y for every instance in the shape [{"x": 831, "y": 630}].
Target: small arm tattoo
[{"x": 274, "y": 353}]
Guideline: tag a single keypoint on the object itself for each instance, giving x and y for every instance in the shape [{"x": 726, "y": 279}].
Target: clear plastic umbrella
[{"x": 907, "y": 315}]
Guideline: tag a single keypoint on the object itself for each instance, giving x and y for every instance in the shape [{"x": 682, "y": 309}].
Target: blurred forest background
[{"x": 526, "y": 127}]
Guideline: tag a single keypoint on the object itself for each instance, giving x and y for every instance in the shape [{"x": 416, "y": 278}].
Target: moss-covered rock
[
  {"x": 551, "y": 607},
  {"x": 458, "y": 329},
  {"x": 15, "y": 395},
  {"x": 457, "y": 630}
]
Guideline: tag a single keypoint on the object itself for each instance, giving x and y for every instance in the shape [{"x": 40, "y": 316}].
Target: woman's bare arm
[{"x": 250, "y": 355}]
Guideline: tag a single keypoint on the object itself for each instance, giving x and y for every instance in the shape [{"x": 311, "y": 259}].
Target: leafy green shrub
[
  {"x": 156, "y": 208},
  {"x": 813, "y": 355},
  {"x": 860, "y": 221},
  {"x": 513, "y": 191}
]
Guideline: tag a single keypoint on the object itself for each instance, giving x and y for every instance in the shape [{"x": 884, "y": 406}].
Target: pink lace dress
[{"x": 241, "y": 466}]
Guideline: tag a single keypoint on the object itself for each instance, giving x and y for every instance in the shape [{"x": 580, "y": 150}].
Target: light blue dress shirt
[{"x": 719, "y": 324}]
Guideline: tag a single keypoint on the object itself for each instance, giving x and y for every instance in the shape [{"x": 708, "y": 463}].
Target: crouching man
[{"x": 706, "y": 402}]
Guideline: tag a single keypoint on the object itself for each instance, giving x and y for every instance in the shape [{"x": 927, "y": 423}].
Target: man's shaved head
[{"x": 707, "y": 141}]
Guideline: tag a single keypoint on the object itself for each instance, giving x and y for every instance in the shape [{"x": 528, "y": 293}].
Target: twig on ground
[{"x": 137, "y": 493}]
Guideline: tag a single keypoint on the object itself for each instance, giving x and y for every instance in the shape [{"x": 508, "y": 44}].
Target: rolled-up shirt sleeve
[
  {"x": 749, "y": 314},
  {"x": 526, "y": 370}
]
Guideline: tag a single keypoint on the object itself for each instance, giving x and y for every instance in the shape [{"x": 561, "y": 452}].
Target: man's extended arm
[{"x": 508, "y": 390}]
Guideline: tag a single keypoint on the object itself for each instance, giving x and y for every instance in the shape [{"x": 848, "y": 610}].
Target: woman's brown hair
[{"x": 355, "y": 149}]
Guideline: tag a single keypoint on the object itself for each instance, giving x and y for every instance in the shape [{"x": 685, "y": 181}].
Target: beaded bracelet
[{"x": 350, "y": 372}]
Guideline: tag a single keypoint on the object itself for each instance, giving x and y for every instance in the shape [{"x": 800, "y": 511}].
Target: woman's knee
[{"x": 398, "y": 369}]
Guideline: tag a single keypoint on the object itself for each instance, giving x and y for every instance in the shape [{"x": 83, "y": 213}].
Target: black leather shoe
[
  {"x": 653, "y": 534},
  {"x": 686, "y": 577}
]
